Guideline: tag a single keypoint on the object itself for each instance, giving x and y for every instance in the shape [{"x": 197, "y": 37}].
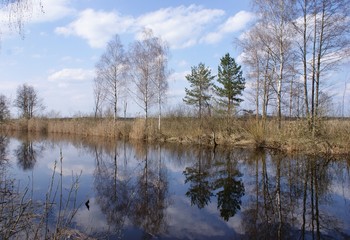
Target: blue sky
[{"x": 62, "y": 45}]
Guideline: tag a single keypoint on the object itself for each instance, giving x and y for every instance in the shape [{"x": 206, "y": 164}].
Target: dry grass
[
  {"x": 332, "y": 135},
  {"x": 138, "y": 129}
]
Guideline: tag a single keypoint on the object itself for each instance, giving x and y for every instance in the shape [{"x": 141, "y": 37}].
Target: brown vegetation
[{"x": 333, "y": 136}]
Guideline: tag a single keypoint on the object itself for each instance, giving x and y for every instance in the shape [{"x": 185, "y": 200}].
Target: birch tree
[
  {"x": 257, "y": 58},
  {"x": 161, "y": 75},
  {"x": 323, "y": 41},
  {"x": 111, "y": 74},
  {"x": 148, "y": 61},
  {"x": 99, "y": 97},
  {"x": 18, "y": 12},
  {"x": 276, "y": 19}
]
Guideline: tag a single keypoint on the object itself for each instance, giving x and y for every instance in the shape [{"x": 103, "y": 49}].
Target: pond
[{"x": 100, "y": 189}]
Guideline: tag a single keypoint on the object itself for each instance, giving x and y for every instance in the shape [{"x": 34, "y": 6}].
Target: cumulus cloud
[
  {"x": 179, "y": 76},
  {"x": 69, "y": 75},
  {"x": 97, "y": 27},
  {"x": 52, "y": 10},
  {"x": 233, "y": 24},
  {"x": 180, "y": 26},
  {"x": 13, "y": 20}
]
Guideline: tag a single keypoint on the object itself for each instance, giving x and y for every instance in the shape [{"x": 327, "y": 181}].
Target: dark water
[{"x": 139, "y": 191}]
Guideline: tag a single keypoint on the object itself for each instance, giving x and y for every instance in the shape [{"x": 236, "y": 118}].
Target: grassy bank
[{"x": 332, "y": 137}]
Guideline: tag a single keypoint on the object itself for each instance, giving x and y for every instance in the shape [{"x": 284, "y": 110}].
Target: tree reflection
[
  {"x": 200, "y": 189},
  {"x": 3, "y": 148},
  {"x": 27, "y": 153},
  {"x": 113, "y": 191},
  {"x": 286, "y": 199},
  {"x": 150, "y": 201},
  {"x": 230, "y": 188},
  {"x": 132, "y": 194},
  {"x": 222, "y": 178}
]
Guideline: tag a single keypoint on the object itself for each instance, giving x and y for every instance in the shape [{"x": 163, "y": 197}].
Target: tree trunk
[
  {"x": 306, "y": 97},
  {"x": 313, "y": 75},
  {"x": 318, "y": 69}
]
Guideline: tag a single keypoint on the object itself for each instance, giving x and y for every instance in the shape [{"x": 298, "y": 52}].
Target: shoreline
[{"x": 293, "y": 138}]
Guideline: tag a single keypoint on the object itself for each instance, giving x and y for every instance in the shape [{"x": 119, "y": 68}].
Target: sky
[{"x": 60, "y": 45}]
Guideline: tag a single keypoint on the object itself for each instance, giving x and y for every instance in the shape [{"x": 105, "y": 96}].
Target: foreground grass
[{"x": 331, "y": 138}]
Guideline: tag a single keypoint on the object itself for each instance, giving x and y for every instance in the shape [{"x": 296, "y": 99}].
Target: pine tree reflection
[
  {"x": 200, "y": 189},
  {"x": 230, "y": 187},
  {"x": 222, "y": 179}
]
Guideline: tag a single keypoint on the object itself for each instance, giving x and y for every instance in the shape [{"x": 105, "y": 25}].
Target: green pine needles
[
  {"x": 201, "y": 83},
  {"x": 232, "y": 84},
  {"x": 229, "y": 88}
]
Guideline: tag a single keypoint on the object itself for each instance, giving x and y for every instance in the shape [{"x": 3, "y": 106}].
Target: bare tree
[
  {"x": 257, "y": 58},
  {"x": 276, "y": 19},
  {"x": 322, "y": 36},
  {"x": 162, "y": 74},
  {"x": 148, "y": 62},
  {"x": 4, "y": 108},
  {"x": 18, "y": 11},
  {"x": 111, "y": 75},
  {"x": 332, "y": 40},
  {"x": 27, "y": 101},
  {"x": 99, "y": 97}
]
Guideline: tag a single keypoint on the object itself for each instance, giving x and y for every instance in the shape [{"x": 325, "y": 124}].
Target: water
[{"x": 139, "y": 191}]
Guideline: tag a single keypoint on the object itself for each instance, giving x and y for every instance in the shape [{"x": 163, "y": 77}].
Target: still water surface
[{"x": 139, "y": 191}]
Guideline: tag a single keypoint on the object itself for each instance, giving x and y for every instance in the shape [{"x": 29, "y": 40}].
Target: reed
[
  {"x": 293, "y": 135},
  {"x": 24, "y": 218}
]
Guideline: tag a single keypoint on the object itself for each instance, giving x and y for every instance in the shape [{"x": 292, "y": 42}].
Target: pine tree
[
  {"x": 200, "y": 82},
  {"x": 230, "y": 76}
]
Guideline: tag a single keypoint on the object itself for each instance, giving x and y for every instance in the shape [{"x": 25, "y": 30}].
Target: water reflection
[
  {"x": 28, "y": 151},
  {"x": 4, "y": 141},
  {"x": 291, "y": 198},
  {"x": 229, "y": 185},
  {"x": 140, "y": 191},
  {"x": 221, "y": 177},
  {"x": 136, "y": 194},
  {"x": 200, "y": 188}
]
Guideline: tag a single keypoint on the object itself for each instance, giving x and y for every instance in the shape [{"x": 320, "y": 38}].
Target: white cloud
[
  {"x": 97, "y": 27},
  {"x": 182, "y": 63},
  {"x": 68, "y": 75},
  {"x": 14, "y": 20},
  {"x": 181, "y": 26},
  {"x": 52, "y": 10},
  {"x": 179, "y": 76},
  {"x": 233, "y": 24}
]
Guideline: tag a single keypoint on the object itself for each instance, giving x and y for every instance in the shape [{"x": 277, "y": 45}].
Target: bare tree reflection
[
  {"x": 113, "y": 189},
  {"x": 151, "y": 192},
  {"x": 286, "y": 200},
  {"x": 137, "y": 194},
  {"x": 27, "y": 153},
  {"x": 3, "y": 148}
]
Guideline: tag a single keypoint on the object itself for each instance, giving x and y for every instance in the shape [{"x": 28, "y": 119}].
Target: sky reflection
[{"x": 180, "y": 192}]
